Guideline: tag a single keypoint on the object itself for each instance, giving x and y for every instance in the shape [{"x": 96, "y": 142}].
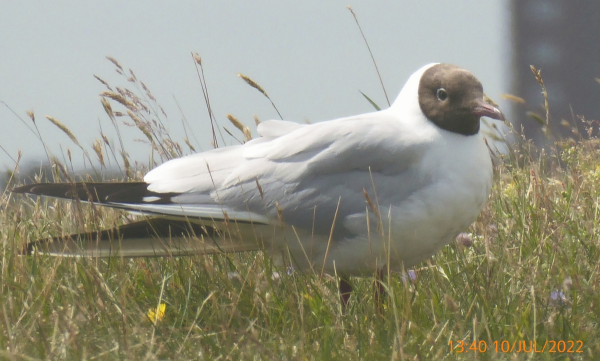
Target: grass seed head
[
  {"x": 97, "y": 146},
  {"x": 513, "y": 98},
  {"x": 62, "y": 127},
  {"x": 244, "y": 129},
  {"x": 107, "y": 107},
  {"x": 103, "y": 82},
  {"x": 253, "y": 84},
  {"x": 31, "y": 115},
  {"x": 197, "y": 58},
  {"x": 115, "y": 62},
  {"x": 120, "y": 98},
  {"x": 141, "y": 125}
]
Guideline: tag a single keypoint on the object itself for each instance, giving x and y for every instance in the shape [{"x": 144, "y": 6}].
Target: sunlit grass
[{"x": 532, "y": 273}]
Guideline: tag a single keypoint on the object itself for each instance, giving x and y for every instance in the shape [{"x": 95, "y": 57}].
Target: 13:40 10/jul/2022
[{"x": 517, "y": 346}]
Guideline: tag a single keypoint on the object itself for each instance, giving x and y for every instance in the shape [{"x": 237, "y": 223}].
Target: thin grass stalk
[
  {"x": 256, "y": 86},
  {"x": 150, "y": 99},
  {"x": 211, "y": 116},
  {"x": 68, "y": 132},
  {"x": 370, "y": 53},
  {"x": 108, "y": 147},
  {"x": 31, "y": 115},
  {"x": 186, "y": 125},
  {"x": 123, "y": 152}
]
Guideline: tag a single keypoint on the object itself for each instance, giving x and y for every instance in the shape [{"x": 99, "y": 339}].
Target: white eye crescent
[{"x": 441, "y": 94}]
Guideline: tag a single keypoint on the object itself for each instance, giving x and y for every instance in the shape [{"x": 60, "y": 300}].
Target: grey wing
[
  {"x": 306, "y": 175},
  {"x": 312, "y": 173}
]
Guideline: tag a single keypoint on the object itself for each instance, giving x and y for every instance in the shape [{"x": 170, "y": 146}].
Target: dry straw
[
  {"x": 115, "y": 62},
  {"x": 211, "y": 115},
  {"x": 371, "y": 53},
  {"x": 538, "y": 77},
  {"x": 140, "y": 125},
  {"x": 253, "y": 84},
  {"x": 97, "y": 146},
  {"x": 256, "y": 86},
  {"x": 244, "y": 129},
  {"x": 513, "y": 98},
  {"x": 64, "y": 128},
  {"x": 119, "y": 98}
]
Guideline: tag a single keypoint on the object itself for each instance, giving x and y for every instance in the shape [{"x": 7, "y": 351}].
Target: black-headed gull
[{"x": 350, "y": 196}]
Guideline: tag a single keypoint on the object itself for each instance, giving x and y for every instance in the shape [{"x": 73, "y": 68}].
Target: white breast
[
  {"x": 437, "y": 213},
  {"x": 429, "y": 219}
]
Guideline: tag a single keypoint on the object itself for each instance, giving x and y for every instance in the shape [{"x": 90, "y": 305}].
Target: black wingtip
[
  {"x": 24, "y": 189},
  {"x": 153, "y": 228},
  {"x": 46, "y": 189},
  {"x": 129, "y": 192}
]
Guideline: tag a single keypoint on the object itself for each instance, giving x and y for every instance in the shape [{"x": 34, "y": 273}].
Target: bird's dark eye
[{"x": 441, "y": 94}]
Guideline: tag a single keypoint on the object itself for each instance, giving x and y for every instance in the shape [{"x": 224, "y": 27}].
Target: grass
[{"x": 528, "y": 271}]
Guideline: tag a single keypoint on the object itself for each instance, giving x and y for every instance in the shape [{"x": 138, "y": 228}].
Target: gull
[{"x": 348, "y": 197}]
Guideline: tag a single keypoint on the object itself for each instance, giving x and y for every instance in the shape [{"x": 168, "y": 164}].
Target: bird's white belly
[
  {"x": 437, "y": 217},
  {"x": 424, "y": 223}
]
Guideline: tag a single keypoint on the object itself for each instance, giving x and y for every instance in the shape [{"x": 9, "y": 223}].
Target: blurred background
[{"x": 309, "y": 56}]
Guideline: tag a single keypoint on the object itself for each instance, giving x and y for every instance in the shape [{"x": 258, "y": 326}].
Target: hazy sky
[{"x": 309, "y": 56}]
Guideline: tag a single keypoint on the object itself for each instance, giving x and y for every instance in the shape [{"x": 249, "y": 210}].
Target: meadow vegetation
[{"x": 528, "y": 270}]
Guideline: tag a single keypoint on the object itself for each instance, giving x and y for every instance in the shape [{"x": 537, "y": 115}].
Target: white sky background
[{"x": 309, "y": 56}]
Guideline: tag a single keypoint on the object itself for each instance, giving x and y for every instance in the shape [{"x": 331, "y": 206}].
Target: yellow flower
[
  {"x": 307, "y": 296},
  {"x": 157, "y": 314}
]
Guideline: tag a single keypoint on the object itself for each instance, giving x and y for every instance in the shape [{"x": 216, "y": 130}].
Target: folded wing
[{"x": 301, "y": 175}]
